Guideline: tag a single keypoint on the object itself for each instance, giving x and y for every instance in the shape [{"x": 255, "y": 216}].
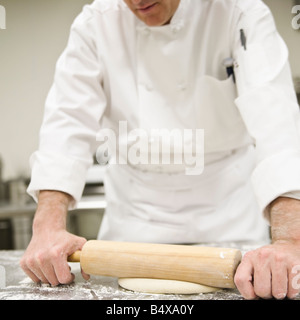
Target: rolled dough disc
[{"x": 163, "y": 286}]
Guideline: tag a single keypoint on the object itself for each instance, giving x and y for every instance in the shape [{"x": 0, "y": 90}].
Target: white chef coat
[{"x": 116, "y": 68}]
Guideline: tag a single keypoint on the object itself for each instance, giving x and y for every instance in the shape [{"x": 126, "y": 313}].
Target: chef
[{"x": 218, "y": 66}]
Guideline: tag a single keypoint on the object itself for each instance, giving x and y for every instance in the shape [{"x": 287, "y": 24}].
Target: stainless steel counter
[{"x": 20, "y": 287}]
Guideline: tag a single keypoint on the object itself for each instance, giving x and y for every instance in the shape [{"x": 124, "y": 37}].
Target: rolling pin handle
[{"x": 74, "y": 257}]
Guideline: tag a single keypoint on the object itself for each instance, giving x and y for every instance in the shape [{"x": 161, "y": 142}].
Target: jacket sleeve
[
  {"x": 267, "y": 103},
  {"x": 73, "y": 109}
]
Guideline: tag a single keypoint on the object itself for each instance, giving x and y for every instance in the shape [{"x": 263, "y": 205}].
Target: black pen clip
[
  {"x": 229, "y": 65},
  {"x": 243, "y": 39}
]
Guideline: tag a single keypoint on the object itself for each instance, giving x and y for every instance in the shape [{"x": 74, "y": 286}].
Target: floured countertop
[{"x": 19, "y": 287}]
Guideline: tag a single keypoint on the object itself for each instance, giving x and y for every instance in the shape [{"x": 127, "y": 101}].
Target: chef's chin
[{"x": 154, "y": 16}]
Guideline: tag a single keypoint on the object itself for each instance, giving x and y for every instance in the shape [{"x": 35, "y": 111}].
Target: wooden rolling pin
[{"x": 211, "y": 266}]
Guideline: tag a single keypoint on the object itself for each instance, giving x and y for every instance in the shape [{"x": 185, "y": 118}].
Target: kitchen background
[{"x": 35, "y": 35}]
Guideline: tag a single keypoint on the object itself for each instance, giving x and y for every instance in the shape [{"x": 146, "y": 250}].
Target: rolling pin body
[{"x": 210, "y": 266}]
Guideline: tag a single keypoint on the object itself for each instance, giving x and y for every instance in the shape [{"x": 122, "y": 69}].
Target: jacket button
[
  {"x": 181, "y": 86},
  {"x": 148, "y": 87},
  {"x": 146, "y": 31}
]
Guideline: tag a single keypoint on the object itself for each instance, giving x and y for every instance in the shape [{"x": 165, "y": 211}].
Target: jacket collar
[{"x": 178, "y": 20}]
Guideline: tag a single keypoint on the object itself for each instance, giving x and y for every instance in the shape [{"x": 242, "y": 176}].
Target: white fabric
[
  {"x": 217, "y": 206},
  {"x": 116, "y": 68}
]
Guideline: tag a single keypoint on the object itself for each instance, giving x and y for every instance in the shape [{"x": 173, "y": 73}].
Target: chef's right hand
[{"x": 45, "y": 259}]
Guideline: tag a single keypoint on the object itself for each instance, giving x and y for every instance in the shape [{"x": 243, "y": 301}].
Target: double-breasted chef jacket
[{"x": 116, "y": 68}]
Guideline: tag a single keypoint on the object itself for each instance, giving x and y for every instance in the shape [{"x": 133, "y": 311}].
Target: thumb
[{"x": 78, "y": 245}]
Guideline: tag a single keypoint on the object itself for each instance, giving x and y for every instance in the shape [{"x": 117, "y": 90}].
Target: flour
[
  {"x": 2, "y": 277},
  {"x": 26, "y": 281}
]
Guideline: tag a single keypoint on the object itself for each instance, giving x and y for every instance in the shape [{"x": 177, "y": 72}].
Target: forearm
[
  {"x": 45, "y": 258},
  {"x": 51, "y": 211},
  {"x": 285, "y": 220}
]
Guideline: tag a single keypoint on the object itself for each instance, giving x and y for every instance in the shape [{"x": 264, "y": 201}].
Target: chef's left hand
[
  {"x": 274, "y": 270},
  {"x": 270, "y": 271}
]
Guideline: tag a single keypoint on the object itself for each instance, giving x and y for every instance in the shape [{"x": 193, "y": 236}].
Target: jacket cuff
[
  {"x": 275, "y": 176},
  {"x": 59, "y": 173}
]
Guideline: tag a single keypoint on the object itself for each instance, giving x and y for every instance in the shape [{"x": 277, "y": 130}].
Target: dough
[{"x": 163, "y": 286}]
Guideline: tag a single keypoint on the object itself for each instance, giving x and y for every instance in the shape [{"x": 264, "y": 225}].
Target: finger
[
  {"x": 30, "y": 274},
  {"x": 80, "y": 243},
  {"x": 279, "y": 278},
  {"x": 49, "y": 273},
  {"x": 262, "y": 281},
  {"x": 243, "y": 278},
  {"x": 45, "y": 269},
  {"x": 63, "y": 271},
  {"x": 33, "y": 267},
  {"x": 85, "y": 275},
  {"x": 294, "y": 282}
]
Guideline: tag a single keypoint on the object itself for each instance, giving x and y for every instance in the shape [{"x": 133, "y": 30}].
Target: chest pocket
[{"x": 216, "y": 113}]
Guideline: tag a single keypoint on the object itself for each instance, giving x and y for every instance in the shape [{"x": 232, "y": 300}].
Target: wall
[
  {"x": 36, "y": 33},
  {"x": 282, "y": 12}
]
